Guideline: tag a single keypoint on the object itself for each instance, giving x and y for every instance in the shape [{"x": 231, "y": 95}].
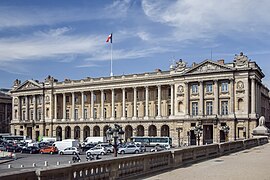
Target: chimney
[{"x": 221, "y": 61}]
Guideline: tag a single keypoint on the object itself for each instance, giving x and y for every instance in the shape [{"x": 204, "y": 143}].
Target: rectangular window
[
  {"x": 95, "y": 113},
  {"x": 209, "y": 108},
  {"x": 84, "y": 98},
  {"x": 115, "y": 112},
  {"x": 105, "y": 96},
  {"x": 224, "y": 87},
  {"x": 67, "y": 114},
  {"x": 39, "y": 114},
  {"x": 76, "y": 114},
  {"x": 76, "y": 99},
  {"x": 85, "y": 113},
  {"x": 194, "y": 88},
  {"x": 67, "y": 99},
  {"x": 194, "y": 108},
  {"x": 169, "y": 110},
  {"x": 23, "y": 115},
  {"x": 209, "y": 88},
  {"x": 31, "y": 115},
  {"x": 224, "y": 107},
  {"x": 169, "y": 92}
]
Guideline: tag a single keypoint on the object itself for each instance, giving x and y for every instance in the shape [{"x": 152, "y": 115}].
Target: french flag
[{"x": 109, "y": 38}]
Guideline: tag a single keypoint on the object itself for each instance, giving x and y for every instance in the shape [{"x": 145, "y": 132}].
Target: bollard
[
  {"x": 34, "y": 165},
  {"x": 69, "y": 162},
  {"x": 58, "y": 163},
  {"x": 9, "y": 166},
  {"x": 22, "y": 165},
  {"x": 46, "y": 163}
]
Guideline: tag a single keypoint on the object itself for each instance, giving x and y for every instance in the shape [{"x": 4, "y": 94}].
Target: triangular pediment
[
  {"x": 29, "y": 84},
  {"x": 208, "y": 66}
]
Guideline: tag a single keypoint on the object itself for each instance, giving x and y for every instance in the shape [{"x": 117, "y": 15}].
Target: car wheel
[
  {"x": 109, "y": 151},
  {"x": 122, "y": 152},
  {"x": 102, "y": 153},
  {"x": 61, "y": 153},
  {"x": 31, "y": 152},
  {"x": 14, "y": 150},
  {"x": 74, "y": 153},
  {"x": 51, "y": 152},
  {"x": 136, "y": 152},
  {"x": 41, "y": 152}
]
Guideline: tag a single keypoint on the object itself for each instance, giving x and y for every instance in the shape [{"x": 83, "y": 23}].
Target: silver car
[
  {"x": 131, "y": 148},
  {"x": 69, "y": 150},
  {"x": 97, "y": 150}
]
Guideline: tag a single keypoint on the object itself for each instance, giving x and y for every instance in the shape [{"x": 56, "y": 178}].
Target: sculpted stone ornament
[
  {"x": 241, "y": 60},
  {"x": 240, "y": 85},
  {"x": 180, "y": 66},
  {"x": 17, "y": 82},
  {"x": 261, "y": 129},
  {"x": 208, "y": 68}
]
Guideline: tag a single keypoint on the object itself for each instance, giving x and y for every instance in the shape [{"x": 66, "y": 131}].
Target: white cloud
[{"x": 193, "y": 19}]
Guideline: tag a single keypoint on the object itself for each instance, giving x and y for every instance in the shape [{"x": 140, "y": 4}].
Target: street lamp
[
  {"x": 198, "y": 132},
  {"x": 226, "y": 130},
  {"x": 115, "y": 133}
]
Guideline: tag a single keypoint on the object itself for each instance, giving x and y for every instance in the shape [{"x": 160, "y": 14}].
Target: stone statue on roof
[
  {"x": 241, "y": 59},
  {"x": 180, "y": 65}
]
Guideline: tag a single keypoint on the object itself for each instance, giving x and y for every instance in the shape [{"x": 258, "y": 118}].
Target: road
[{"x": 27, "y": 160}]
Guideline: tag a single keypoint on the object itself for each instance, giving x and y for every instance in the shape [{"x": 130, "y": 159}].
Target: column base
[
  {"x": 91, "y": 119},
  {"x": 123, "y": 118},
  {"x": 82, "y": 119},
  {"x": 112, "y": 118},
  {"x": 134, "y": 118},
  {"x": 146, "y": 117},
  {"x": 158, "y": 117},
  {"x": 63, "y": 120}
]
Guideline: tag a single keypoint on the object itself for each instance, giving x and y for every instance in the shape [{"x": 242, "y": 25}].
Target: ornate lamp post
[
  {"x": 198, "y": 132},
  {"x": 226, "y": 130},
  {"x": 114, "y": 133}
]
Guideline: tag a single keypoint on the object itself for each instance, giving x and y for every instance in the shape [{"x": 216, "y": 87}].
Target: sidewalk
[{"x": 249, "y": 164}]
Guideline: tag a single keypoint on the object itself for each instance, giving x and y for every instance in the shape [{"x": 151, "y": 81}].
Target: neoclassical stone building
[
  {"x": 5, "y": 111},
  {"x": 161, "y": 103}
]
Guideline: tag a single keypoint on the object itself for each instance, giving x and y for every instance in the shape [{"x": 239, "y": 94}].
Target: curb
[{"x": 6, "y": 161}]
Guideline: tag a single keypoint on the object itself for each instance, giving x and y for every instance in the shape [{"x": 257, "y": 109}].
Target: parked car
[
  {"x": 69, "y": 150},
  {"x": 108, "y": 146},
  {"x": 30, "y": 150},
  {"x": 2, "y": 147},
  {"x": 13, "y": 148},
  {"x": 131, "y": 148},
  {"x": 142, "y": 147},
  {"x": 96, "y": 150},
  {"x": 88, "y": 146},
  {"x": 158, "y": 148},
  {"x": 49, "y": 149}
]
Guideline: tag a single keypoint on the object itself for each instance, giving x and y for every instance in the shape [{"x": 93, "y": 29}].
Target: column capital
[
  {"x": 123, "y": 89},
  {"x": 186, "y": 82},
  {"x": 231, "y": 79},
  {"x": 82, "y": 92},
  {"x": 146, "y": 87},
  {"x": 135, "y": 87}
]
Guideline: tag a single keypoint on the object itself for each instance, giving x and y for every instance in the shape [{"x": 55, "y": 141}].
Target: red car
[{"x": 49, "y": 149}]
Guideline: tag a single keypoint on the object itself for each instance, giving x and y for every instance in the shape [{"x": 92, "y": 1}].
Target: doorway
[{"x": 207, "y": 134}]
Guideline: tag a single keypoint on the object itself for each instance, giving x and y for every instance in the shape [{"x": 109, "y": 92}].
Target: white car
[
  {"x": 131, "y": 148},
  {"x": 97, "y": 150},
  {"x": 69, "y": 150}
]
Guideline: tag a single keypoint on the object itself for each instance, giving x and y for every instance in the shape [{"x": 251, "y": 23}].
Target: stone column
[
  {"x": 113, "y": 106},
  {"x": 216, "y": 100},
  {"x": 201, "y": 106},
  {"x": 64, "y": 107},
  {"x": 26, "y": 108},
  {"x": 43, "y": 107},
  {"x": 92, "y": 105},
  {"x": 134, "y": 103},
  {"x": 35, "y": 108},
  {"x": 102, "y": 104},
  {"x": 55, "y": 106},
  {"x": 82, "y": 106},
  {"x": 73, "y": 106},
  {"x": 123, "y": 104},
  {"x": 146, "y": 102},
  {"x": 19, "y": 108},
  {"x": 253, "y": 96},
  {"x": 232, "y": 96},
  {"x": 159, "y": 101},
  {"x": 187, "y": 98},
  {"x": 172, "y": 100},
  {"x": 6, "y": 116}
]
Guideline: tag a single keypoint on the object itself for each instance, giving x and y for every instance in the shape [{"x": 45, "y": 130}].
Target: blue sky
[{"x": 66, "y": 38}]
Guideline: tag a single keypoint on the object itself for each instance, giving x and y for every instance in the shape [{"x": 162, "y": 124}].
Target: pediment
[
  {"x": 208, "y": 66},
  {"x": 29, "y": 84}
]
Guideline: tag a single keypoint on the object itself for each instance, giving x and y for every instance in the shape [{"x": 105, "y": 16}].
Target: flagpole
[{"x": 111, "y": 60}]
